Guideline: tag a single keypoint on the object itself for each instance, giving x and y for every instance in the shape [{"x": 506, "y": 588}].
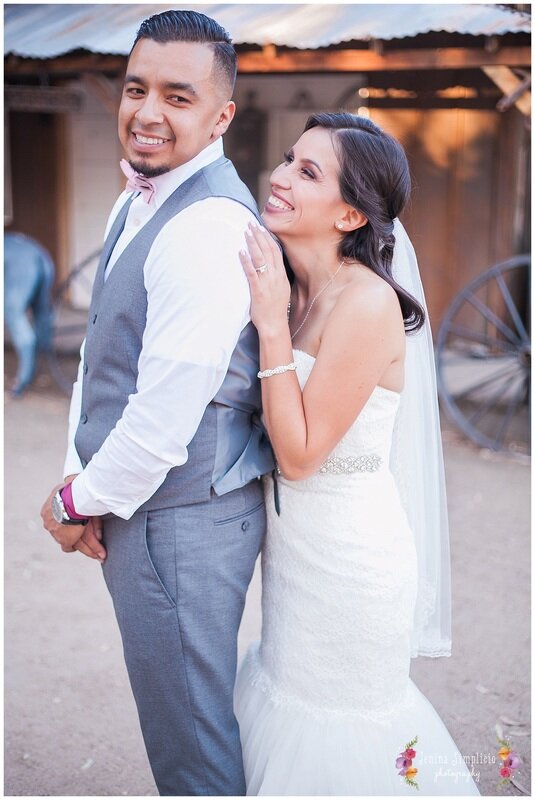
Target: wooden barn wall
[{"x": 468, "y": 208}]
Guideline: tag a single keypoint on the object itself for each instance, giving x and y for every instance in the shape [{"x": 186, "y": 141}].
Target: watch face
[{"x": 57, "y": 509}]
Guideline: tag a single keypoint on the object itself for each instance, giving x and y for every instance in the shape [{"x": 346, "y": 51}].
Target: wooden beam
[
  {"x": 512, "y": 87},
  {"x": 48, "y": 99},
  {"x": 478, "y": 103},
  {"x": 269, "y": 60},
  {"x": 370, "y": 61},
  {"x": 64, "y": 65}
]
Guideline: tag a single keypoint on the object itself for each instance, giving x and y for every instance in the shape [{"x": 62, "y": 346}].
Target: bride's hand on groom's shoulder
[{"x": 268, "y": 282}]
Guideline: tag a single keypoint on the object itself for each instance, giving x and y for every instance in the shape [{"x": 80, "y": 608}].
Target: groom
[{"x": 165, "y": 446}]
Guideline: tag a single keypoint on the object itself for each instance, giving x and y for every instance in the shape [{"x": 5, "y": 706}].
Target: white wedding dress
[{"x": 324, "y": 702}]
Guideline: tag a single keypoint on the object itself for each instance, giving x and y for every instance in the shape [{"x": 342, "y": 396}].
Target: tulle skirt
[{"x": 293, "y": 749}]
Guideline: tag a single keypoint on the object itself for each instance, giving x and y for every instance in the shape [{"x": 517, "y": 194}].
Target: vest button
[
  {"x": 85, "y": 369},
  {"x": 95, "y": 318},
  {"x": 83, "y": 419},
  {"x": 245, "y": 525}
]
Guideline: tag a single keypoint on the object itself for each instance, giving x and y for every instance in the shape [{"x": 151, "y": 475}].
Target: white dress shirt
[{"x": 198, "y": 304}]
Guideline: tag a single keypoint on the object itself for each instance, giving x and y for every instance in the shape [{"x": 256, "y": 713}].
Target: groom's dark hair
[{"x": 191, "y": 26}]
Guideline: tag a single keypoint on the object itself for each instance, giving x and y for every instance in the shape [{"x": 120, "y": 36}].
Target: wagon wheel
[
  {"x": 69, "y": 327},
  {"x": 484, "y": 357}
]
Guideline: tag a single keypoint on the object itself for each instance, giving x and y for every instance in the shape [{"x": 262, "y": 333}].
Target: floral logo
[
  {"x": 404, "y": 763},
  {"x": 511, "y": 761}
]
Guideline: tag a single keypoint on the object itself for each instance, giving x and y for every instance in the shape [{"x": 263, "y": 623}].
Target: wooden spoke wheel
[
  {"x": 484, "y": 357},
  {"x": 69, "y": 328}
]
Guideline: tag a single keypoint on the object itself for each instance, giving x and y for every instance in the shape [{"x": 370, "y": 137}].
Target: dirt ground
[{"x": 70, "y": 721}]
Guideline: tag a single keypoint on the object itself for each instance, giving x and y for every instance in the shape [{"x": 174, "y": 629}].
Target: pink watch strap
[{"x": 66, "y": 496}]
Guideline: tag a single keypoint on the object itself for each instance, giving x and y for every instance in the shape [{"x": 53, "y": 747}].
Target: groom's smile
[{"x": 152, "y": 141}]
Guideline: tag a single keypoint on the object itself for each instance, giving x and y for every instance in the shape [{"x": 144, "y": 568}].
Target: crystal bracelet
[{"x": 267, "y": 373}]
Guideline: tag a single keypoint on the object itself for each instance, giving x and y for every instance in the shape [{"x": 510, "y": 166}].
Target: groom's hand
[
  {"x": 85, "y": 538},
  {"x": 90, "y": 543},
  {"x": 65, "y": 535}
]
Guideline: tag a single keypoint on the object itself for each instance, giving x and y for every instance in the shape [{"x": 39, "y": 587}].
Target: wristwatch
[{"x": 59, "y": 512}]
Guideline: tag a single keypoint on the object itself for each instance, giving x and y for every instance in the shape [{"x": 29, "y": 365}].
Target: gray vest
[{"x": 229, "y": 448}]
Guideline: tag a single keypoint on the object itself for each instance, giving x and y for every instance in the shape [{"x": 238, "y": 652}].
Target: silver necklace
[{"x": 309, "y": 309}]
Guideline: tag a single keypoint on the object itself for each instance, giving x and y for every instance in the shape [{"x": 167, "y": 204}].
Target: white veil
[{"x": 418, "y": 467}]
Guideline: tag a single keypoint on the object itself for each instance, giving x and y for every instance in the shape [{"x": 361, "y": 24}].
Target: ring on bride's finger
[{"x": 262, "y": 268}]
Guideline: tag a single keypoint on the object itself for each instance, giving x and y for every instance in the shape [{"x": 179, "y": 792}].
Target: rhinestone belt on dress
[
  {"x": 338, "y": 466},
  {"x": 346, "y": 466}
]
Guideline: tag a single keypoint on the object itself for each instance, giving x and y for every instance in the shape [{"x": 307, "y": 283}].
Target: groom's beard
[{"x": 148, "y": 171}]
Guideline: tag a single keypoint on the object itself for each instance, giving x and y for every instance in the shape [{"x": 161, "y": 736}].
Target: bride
[{"x": 351, "y": 585}]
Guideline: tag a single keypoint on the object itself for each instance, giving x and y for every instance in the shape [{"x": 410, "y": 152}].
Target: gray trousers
[{"x": 178, "y": 579}]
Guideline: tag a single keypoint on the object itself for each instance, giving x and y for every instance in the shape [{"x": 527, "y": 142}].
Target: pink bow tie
[{"x": 137, "y": 182}]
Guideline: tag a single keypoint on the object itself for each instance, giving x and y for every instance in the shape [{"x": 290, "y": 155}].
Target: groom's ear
[
  {"x": 225, "y": 118},
  {"x": 353, "y": 219}
]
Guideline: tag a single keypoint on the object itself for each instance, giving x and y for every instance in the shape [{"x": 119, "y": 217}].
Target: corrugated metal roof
[{"x": 47, "y": 30}]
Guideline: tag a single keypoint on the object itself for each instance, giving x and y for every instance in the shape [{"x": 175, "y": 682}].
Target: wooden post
[{"x": 517, "y": 89}]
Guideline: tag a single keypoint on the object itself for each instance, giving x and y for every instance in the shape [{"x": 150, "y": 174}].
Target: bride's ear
[{"x": 351, "y": 220}]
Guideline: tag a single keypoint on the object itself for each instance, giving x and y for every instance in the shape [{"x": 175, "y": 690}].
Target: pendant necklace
[{"x": 309, "y": 309}]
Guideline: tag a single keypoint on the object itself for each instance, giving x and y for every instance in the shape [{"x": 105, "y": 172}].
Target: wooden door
[{"x": 35, "y": 177}]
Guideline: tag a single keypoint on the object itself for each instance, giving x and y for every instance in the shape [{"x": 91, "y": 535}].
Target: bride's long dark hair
[{"x": 375, "y": 179}]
